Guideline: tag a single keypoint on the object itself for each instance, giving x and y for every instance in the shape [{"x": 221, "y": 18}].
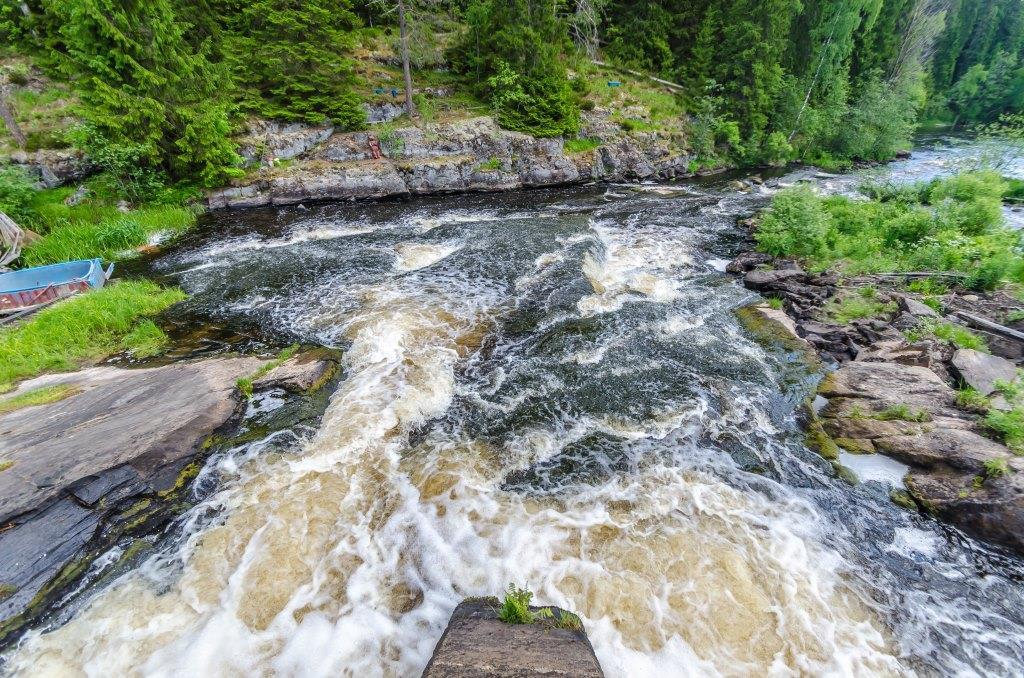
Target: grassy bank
[
  {"x": 85, "y": 328},
  {"x": 953, "y": 225}
]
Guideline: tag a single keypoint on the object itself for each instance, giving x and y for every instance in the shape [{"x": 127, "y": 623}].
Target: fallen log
[{"x": 989, "y": 326}]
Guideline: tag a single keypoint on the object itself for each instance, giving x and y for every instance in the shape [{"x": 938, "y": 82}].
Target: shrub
[
  {"x": 16, "y": 192},
  {"x": 796, "y": 225},
  {"x": 541, "y": 108}
]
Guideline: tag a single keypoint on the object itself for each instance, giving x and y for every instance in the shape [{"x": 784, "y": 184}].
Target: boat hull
[{"x": 30, "y": 289}]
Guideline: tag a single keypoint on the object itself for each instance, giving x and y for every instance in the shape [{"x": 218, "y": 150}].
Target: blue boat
[{"x": 31, "y": 288}]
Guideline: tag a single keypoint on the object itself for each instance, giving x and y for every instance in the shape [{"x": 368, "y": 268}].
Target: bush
[
  {"x": 544, "y": 108},
  {"x": 16, "y": 192},
  {"x": 797, "y": 225}
]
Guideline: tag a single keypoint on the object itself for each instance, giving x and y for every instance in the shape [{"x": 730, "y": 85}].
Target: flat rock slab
[
  {"x": 125, "y": 433},
  {"x": 981, "y": 371},
  {"x": 946, "y": 451},
  {"x": 146, "y": 418},
  {"x": 477, "y": 644}
]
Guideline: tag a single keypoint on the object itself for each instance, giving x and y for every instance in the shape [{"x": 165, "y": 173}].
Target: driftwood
[
  {"x": 989, "y": 326},
  {"x": 666, "y": 83},
  {"x": 11, "y": 237}
]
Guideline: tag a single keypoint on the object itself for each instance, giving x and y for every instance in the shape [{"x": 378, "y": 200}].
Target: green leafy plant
[
  {"x": 515, "y": 607},
  {"x": 492, "y": 165},
  {"x": 972, "y": 399},
  {"x": 16, "y": 192},
  {"x": 996, "y": 468}
]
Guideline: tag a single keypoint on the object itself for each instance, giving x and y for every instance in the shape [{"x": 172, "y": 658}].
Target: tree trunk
[
  {"x": 8, "y": 115},
  {"x": 410, "y": 108}
]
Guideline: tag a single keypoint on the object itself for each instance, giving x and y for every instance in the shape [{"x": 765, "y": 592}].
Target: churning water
[{"x": 551, "y": 389}]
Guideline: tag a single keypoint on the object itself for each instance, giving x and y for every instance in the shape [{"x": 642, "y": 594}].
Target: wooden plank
[{"x": 989, "y": 326}]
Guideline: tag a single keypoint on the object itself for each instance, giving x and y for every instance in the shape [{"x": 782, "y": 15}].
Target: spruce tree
[{"x": 290, "y": 60}]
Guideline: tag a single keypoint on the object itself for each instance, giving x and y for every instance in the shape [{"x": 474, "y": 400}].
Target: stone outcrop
[
  {"x": 982, "y": 371},
  {"x": 113, "y": 459},
  {"x": 473, "y": 155},
  {"x": 477, "y": 644},
  {"x": 910, "y": 414},
  {"x": 53, "y": 167}
]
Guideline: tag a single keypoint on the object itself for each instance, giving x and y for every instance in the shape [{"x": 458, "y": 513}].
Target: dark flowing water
[{"x": 549, "y": 388}]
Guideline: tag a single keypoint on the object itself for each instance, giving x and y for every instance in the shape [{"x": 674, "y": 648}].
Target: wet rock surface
[
  {"x": 454, "y": 157},
  {"x": 477, "y": 644},
  {"x": 894, "y": 394},
  {"x": 114, "y": 458}
]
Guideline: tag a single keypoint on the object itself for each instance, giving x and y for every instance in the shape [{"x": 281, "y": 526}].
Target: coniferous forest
[{"x": 162, "y": 83}]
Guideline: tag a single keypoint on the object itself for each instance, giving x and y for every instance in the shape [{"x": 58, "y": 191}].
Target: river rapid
[{"x": 549, "y": 388}]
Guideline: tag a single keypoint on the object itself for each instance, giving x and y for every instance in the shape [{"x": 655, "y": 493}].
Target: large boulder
[
  {"x": 982, "y": 371},
  {"x": 477, "y": 644},
  {"x": 122, "y": 434}
]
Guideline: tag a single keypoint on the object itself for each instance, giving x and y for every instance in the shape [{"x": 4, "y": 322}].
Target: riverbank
[
  {"x": 95, "y": 464},
  {"x": 926, "y": 368}
]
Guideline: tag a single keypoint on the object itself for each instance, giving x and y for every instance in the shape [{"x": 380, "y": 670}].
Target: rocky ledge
[
  {"x": 894, "y": 389},
  {"x": 113, "y": 460},
  {"x": 307, "y": 164},
  {"x": 477, "y": 644}
]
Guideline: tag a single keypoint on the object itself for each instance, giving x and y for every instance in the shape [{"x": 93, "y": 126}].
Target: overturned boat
[{"x": 32, "y": 288}]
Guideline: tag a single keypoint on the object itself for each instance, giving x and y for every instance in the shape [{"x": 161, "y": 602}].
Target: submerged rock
[{"x": 477, "y": 644}]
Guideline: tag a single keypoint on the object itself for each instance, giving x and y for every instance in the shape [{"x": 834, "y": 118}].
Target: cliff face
[{"x": 457, "y": 157}]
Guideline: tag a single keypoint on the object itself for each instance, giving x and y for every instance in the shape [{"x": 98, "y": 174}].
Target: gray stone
[
  {"x": 915, "y": 307},
  {"x": 477, "y": 644},
  {"x": 126, "y": 433},
  {"x": 300, "y": 374},
  {"x": 760, "y": 280},
  {"x": 981, "y": 371}
]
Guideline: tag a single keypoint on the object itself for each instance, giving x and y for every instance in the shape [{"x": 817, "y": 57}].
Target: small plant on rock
[
  {"x": 1010, "y": 425},
  {"x": 971, "y": 399},
  {"x": 996, "y": 468},
  {"x": 775, "y": 303},
  {"x": 902, "y": 413},
  {"x": 515, "y": 608}
]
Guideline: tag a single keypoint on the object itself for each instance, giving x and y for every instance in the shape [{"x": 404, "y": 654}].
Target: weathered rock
[
  {"x": 762, "y": 280},
  {"x": 981, "y": 371},
  {"x": 304, "y": 373},
  {"x": 435, "y": 158},
  {"x": 868, "y": 403},
  {"x": 477, "y": 644},
  {"x": 53, "y": 167},
  {"x": 127, "y": 432},
  {"x": 748, "y": 261},
  {"x": 915, "y": 307}
]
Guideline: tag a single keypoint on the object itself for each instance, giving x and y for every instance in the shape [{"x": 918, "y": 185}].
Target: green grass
[
  {"x": 515, "y": 608},
  {"x": 39, "y": 396},
  {"x": 5, "y": 464},
  {"x": 83, "y": 328},
  {"x": 146, "y": 340},
  {"x": 1010, "y": 427},
  {"x": 856, "y": 308},
  {"x": 581, "y": 145},
  {"x": 902, "y": 413},
  {"x": 245, "y": 383},
  {"x": 1015, "y": 316},
  {"x": 775, "y": 303},
  {"x": 996, "y": 468},
  {"x": 92, "y": 230},
  {"x": 492, "y": 165},
  {"x": 958, "y": 336},
  {"x": 971, "y": 399}
]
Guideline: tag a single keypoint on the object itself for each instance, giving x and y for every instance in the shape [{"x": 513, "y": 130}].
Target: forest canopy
[{"x": 163, "y": 85}]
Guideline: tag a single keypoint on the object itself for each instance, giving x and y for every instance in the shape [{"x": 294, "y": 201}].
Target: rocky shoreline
[
  {"x": 105, "y": 469},
  {"x": 295, "y": 163},
  {"x": 894, "y": 389}
]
